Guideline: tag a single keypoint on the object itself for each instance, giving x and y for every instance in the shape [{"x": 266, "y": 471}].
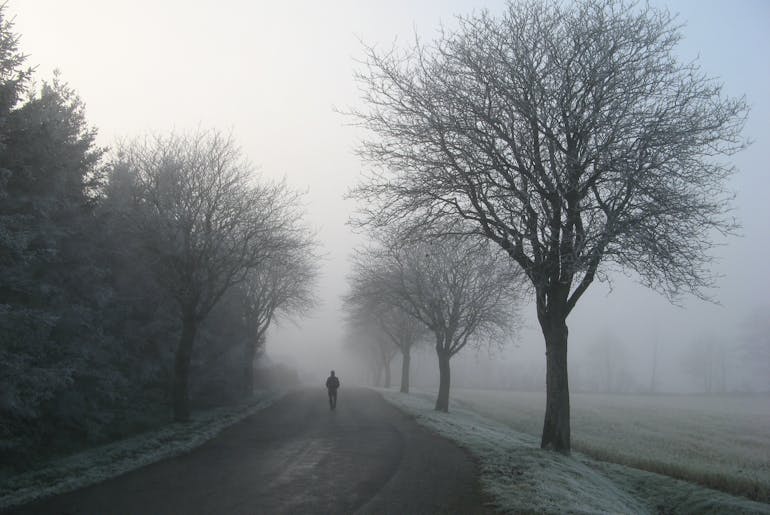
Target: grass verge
[
  {"x": 522, "y": 478},
  {"x": 107, "y": 461}
]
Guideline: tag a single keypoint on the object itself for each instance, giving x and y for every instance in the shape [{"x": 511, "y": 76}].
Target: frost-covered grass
[
  {"x": 720, "y": 442},
  {"x": 522, "y": 478},
  {"x": 100, "y": 463}
]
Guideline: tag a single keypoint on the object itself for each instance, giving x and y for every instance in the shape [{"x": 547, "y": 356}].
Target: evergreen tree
[{"x": 50, "y": 283}]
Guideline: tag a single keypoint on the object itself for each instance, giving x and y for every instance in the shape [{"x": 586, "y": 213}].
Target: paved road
[{"x": 298, "y": 457}]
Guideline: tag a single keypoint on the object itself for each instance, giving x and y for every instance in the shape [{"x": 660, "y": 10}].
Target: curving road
[{"x": 298, "y": 457}]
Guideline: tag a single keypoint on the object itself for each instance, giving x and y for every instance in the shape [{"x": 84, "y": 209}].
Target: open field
[
  {"x": 519, "y": 477},
  {"x": 721, "y": 442}
]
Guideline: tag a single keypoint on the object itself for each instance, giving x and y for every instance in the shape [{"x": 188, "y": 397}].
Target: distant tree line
[{"x": 133, "y": 280}]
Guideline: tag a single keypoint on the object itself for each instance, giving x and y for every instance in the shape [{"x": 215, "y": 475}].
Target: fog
[{"x": 273, "y": 73}]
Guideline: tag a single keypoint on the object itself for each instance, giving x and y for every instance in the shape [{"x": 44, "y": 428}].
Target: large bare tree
[
  {"x": 205, "y": 221},
  {"x": 457, "y": 287},
  {"x": 567, "y": 133}
]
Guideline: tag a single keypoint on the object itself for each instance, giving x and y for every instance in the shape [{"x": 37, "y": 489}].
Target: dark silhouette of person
[{"x": 332, "y": 384}]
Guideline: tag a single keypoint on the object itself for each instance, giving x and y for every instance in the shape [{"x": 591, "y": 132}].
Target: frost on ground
[
  {"x": 107, "y": 461},
  {"x": 522, "y": 478},
  {"x": 722, "y": 442}
]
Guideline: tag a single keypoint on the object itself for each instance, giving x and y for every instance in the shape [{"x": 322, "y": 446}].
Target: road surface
[{"x": 297, "y": 456}]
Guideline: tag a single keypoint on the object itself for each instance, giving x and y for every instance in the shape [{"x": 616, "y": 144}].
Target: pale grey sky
[{"x": 272, "y": 73}]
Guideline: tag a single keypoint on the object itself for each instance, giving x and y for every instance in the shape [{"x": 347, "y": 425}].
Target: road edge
[{"x": 105, "y": 462}]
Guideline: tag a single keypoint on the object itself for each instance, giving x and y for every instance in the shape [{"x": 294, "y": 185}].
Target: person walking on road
[{"x": 332, "y": 384}]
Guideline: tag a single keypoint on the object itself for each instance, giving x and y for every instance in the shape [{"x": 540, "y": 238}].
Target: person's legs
[{"x": 333, "y": 398}]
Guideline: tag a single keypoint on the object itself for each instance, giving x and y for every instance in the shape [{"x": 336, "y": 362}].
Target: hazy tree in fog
[
  {"x": 457, "y": 287},
  {"x": 365, "y": 339},
  {"x": 139, "y": 312},
  {"x": 569, "y": 135},
  {"x": 282, "y": 285},
  {"x": 403, "y": 330},
  {"x": 607, "y": 363},
  {"x": 205, "y": 222},
  {"x": 232, "y": 339},
  {"x": 654, "y": 368},
  {"x": 754, "y": 347},
  {"x": 705, "y": 361}
]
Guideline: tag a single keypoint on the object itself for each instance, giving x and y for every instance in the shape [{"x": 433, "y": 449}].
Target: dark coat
[{"x": 332, "y": 383}]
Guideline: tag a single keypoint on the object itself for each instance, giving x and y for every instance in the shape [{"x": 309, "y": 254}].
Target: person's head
[{"x": 332, "y": 372}]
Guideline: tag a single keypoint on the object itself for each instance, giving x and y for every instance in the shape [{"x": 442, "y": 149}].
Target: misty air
[{"x": 473, "y": 257}]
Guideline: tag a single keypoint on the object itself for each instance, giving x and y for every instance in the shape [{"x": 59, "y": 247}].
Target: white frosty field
[
  {"x": 100, "y": 463},
  {"x": 521, "y": 478},
  {"x": 722, "y": 442}
]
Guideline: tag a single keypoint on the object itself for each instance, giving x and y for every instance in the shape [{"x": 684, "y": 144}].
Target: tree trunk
[
  {"x": 653, "y": 379},
  {"x": 251, "y": 350},
  {"x": 406, "y": 358},
  {"x": 723, "y": 385},
  {"x": 442, "y": 402},
  {"x": 556, "y": 427},
  {"x": 181, "y": 401},
  {"x": 377, "y": 376},
  {"x": 250, "y": 353},
  {"x": 386, "y": 368}
]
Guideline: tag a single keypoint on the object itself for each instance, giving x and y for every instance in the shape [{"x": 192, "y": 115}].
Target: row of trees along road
[
  {"x": 568, "y": 134},
  {"x": 114, "y": 260},
  {"x": 457, "y": 289},
  {"x": 378, "y": 330},
  {"x": 207, "y": 227},
  {"x": 365, "y": 340}
]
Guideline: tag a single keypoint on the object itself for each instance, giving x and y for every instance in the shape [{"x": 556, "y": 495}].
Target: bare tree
[
  {"x": 654, "y": 372},
  {"x": 458, "y": 288},
  {"x": 607, "y": 360},
  {"x": 282, "y": 285},
  {"x": 569, "y": 135},
  {"x": 404, "y": 332},
  {"x": 754, "y": 346},
  {"x": 364, "y": 302},
  {"x": 705, "y": 361},
  {"x": 366, "y": 340},
  {"x": 205, "y": 222}
]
